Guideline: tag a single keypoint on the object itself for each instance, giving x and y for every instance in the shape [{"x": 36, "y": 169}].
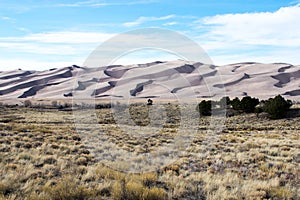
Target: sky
[{"x": 43, "y": 34}]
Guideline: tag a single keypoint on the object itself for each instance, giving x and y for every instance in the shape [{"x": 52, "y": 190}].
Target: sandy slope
[{"x": 168, "y": 80}]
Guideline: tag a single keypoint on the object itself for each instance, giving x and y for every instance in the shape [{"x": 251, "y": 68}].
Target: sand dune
[{"x": 173, "y": 79}]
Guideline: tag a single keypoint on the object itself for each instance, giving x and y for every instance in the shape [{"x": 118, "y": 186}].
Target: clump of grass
[
  {"x": 49, "y": 160},
  {"x": 68, "y": 189},
  {"x": 134, "y": 189},
  {"x": 149, "y": 179},
  {"x": 282, "y": 193},
  {"x": 154, "y": 194},
  {"x": 82, "y": 161},
  {"x": 25, "y": 156},
  {"x": 103, "y": 172},
  {"x": 6, "y": 188}
]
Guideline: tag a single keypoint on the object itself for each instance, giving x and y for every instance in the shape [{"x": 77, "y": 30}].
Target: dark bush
[
  {"x": 103, "y": 106},
  {"x": 248, "y": 104},
  {"x": 204, "y": 108},
  {"x": 150, "y": 102},
  {"x": 277, "y": 107},
  {"x": 236, "y": 104}
]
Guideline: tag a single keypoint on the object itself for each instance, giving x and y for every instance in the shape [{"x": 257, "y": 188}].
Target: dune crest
[{"x": 157, "y": 79}]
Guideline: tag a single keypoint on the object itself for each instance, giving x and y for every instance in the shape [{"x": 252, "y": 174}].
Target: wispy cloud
[
  {"x": 5, "y": 18},
  {"x": 60, "y": 43},
  {"x": 170, "y": 23},
  {"x": 97, "y": 3},
  {"x": 64, "y": 37},
  {"x": 46, "y": 50},
  {"x": 142, "y": 20}
]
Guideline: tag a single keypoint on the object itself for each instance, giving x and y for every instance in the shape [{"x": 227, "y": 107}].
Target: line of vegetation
[{"x": 276, "y": 107}]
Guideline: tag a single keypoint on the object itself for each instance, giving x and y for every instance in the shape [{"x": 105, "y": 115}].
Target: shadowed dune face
[
  {"x": 284, "y": 78},
  {"x": 156, "y": 79},
  {"x": 293, "y": 93}
]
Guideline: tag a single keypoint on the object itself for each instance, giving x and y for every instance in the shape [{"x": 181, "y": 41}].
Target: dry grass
[{"x": 42, "y": 157}]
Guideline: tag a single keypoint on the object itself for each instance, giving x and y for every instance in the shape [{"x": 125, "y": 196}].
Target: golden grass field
[{"x": 43, "y": 157}]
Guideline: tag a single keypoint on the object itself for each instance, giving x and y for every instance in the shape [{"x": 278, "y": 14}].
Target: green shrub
[
  {"x": 236, "y": 103},
  {"x": 204, "y": 108},
  {"x": 248, "y": 104},
  {"x": 277, "y": 107}
]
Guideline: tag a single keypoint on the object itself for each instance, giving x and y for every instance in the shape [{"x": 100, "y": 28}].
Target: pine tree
[
  {"x": 248, "y": 104},
  {"x": 204, "y": 108},
  {"x": 277, "y": 107}
]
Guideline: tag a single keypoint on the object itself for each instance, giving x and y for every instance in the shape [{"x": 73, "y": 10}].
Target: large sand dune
[{"x": 173, "y": 79}]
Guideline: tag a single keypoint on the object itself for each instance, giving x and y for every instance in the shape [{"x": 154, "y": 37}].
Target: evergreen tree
[
  {"x": 204, "y": 108},
  {"x": 236, "y": 104},
  {"x": 248, "y": 104},
  {"x": 277, "y": 107}
]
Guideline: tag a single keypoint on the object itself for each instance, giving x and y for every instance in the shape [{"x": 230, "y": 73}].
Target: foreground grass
[{"x": 42, "y": 157}]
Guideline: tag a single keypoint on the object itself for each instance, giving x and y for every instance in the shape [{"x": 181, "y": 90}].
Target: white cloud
[
  {"x": 170, "y": 23},
  {"x": 61, "y": 37},
  {"x": 23, "y": 29},
  {"x": 26, "y": 64},
  {"x": 280, "y": 28},
  {"x": 59, "y": 43},
  {"x": 252, "y": 36},
  {"x": 5, "y": 18},
  {"x": 142, "y": 20}
]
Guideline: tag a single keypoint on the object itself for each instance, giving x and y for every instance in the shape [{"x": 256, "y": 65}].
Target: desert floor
[{"x": 42, "y": 156}]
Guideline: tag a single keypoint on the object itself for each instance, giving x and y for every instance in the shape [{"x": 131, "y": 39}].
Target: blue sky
[{"x": 54, "y": 33}]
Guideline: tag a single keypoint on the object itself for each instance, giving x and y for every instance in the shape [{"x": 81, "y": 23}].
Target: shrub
[
  {"x": 103, "y": 106},
  {"x": 150, "y": 102},
  {"x": 134, "y": 189},
  {"x": 67, "y": 188},
  {"x": 258, "y": 110},
  {"x": 204, "y": 108},
  {"x": 154, "y": 194},
  {"x": 27, "y": 103},
  {"x": 248, "y": 104},
  {"x": 54, "y": 103},
  {"x": 224, "y": 102},
  {"x": 277, "y": 107},
  {"x": 82, "y": 161},
  {"x": 236, "y": 103},
  {"x": 6, "y": 188}
]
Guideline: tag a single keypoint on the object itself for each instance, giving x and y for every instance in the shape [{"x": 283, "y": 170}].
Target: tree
[
  {"x": 248, "y": 104},
  {"x": 224, "y": 102},
  {"x": 236, "y": 104},
  {"x": 204, "y": 108},
  {"x": 150, "y": 102},
  {"x": 277, "y": 107}
]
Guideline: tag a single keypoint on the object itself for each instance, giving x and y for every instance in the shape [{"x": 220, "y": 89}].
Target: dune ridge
[{"x": 157, "y": 80}]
